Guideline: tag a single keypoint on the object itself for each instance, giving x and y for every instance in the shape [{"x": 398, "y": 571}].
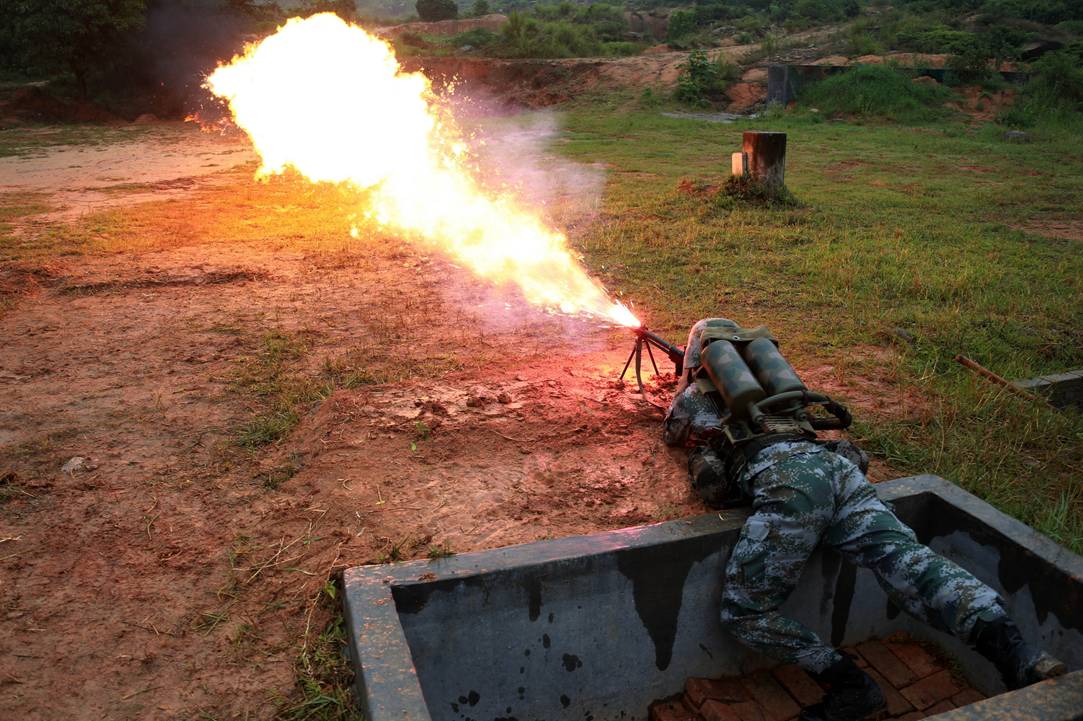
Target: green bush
[
  {"x": 703, "y": 81},
  {"x": 527, "y": 37},
  {"x": 1054, "y": 91},
  {"x": 476, "y": 37},
  {"x": 434, "y": 10},
  {"x": 480, "y": 8},
  {"x": 877, "y": 91},
  {"x": 681, "y": 24}
]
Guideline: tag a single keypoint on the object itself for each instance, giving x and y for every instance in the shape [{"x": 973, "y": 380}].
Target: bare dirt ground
[{"x": 153, "y": 565}]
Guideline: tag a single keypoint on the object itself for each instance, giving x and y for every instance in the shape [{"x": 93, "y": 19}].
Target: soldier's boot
[
  {"x": 851, "y": 695},
  {"x": 1019, "y": 663}
]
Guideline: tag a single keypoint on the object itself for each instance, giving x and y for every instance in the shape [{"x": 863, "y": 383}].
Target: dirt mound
[
  {"x": 444, "y": 28},
  {"x": 36, "y": 104},
  {"x": 982, "y": 105},
  {"x": 745, "y": 96}
]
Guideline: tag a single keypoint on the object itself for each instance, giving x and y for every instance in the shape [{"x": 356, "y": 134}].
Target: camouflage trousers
[{"x": 804, "y": 495}]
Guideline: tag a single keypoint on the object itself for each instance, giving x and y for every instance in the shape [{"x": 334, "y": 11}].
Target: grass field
[{"x": 911, "y": 228}]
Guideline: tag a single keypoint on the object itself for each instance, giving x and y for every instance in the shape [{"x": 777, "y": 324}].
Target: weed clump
[{"x": 877, "y": 91}]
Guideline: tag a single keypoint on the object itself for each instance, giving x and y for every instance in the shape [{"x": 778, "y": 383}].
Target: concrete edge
[
  {"x": 386, "y": 674},
  {"x": 1018, "y": 532},
  {"x": 372, "y": 615},
  {"x": 1059, "y": 699}
]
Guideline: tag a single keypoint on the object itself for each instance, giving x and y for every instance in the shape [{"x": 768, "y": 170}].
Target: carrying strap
[{"x": 735, "y": 335}]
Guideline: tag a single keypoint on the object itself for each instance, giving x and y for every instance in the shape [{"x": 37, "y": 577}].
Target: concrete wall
[
  {"x": 595, "y": 628},
  {"x": 1062, "y": 389}
]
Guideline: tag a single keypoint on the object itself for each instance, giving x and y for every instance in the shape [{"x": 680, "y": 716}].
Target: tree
[
  {"x": 433, "y": 10},
  {"x": 82, "y": 37},
  {"x": 479, "y": 8}
]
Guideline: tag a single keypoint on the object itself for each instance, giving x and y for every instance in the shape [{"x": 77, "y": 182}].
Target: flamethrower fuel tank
[
  {"x": 771, "y": 369},
  {"x": 731, "y": 376}
]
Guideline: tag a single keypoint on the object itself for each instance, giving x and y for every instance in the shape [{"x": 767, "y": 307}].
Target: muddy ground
[{"x": 163, "y": 554}]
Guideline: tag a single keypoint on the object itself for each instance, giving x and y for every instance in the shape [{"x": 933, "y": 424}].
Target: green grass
[
  {"x": 901, "y": 227},
  {"x": 880, "y": 91}
]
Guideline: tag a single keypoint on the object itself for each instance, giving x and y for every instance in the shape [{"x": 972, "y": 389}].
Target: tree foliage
[
  {"x": 434, "y": 10},
  {"x": 82, "y": 37}
]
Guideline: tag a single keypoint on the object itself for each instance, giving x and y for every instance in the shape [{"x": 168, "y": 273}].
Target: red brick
[
  {"x": 966, "y": 697},
  {"x": 775, "y": 701},
  {"x": 896, "y": 704},
  {"x": 671, "y": 711},
  {"x": 931, "y": 690},
  {"x": 939, "y": 708},
  {"x": 917, "y": 659},
  {"x": 699, "y": 690},
  {"x": 800, "y": 685},
  {"x": 748, "y": 711},
  {"x": 717, "y": 711},
  {"x": 887, "y": 663}
]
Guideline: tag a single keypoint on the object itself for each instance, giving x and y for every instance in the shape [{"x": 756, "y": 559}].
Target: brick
[
  {"x": 918, "y": 660},
  {"x": 939, "y": 708},
  {"x": 966, "y": 697},
  {"x": 931, "y": 690},
  {"x": 800, "y": 685},
  {"x": 748, "y": 711},
  {"x": 776, "y": 702},
  {"x": 717, "y": 711},
  {"x": 896, "y": 704},
  {"x": 672, "y": 710},
  {"x": 887, "y": 663},
  {"x": 699, "y": 690}
]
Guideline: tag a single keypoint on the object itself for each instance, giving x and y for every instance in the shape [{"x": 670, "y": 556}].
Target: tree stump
[{"x": 765, "y": 158}]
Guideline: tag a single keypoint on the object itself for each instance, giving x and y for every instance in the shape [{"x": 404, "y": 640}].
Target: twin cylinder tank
[{"x": 748, "y": 374}]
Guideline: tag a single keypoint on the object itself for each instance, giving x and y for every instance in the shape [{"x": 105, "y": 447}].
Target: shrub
[
  {"x": 681, "y": 24},
  {"x": 526, "y": 37},
  {"x": 479, "y": 8},
  {"x": 476, "y": 37},
  {"x": 703, "y": 81},
  {"x": 1054, "y": 91},
  {"x": 433, "y": 10},
  {"x": 881, "y": 91}
]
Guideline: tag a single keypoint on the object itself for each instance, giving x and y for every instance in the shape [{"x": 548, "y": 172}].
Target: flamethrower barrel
[{"x": 675, "y": 354}]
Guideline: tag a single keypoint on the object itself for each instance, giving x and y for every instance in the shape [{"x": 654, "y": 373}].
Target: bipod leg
[
  {"x": 629, "y": 361},
  {"x": 651, "y": 354},
  {"x": 639, "y": 364}
]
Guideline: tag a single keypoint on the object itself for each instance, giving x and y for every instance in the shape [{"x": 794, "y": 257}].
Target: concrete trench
[{"x": 596, "y": 628}]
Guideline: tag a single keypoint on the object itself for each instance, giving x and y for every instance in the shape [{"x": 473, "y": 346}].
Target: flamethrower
[
  {"x": 760, "y": 392},
  {"x": 646, "y": 339}
]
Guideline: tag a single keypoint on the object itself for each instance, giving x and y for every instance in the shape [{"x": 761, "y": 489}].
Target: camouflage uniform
[{"x": 802, "y": 495}]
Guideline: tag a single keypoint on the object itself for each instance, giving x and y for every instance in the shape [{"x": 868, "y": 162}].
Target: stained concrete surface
[{"x": 597, "y": 627}]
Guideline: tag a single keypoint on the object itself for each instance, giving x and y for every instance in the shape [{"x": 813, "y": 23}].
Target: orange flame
[{"x": 324, "y": 97}]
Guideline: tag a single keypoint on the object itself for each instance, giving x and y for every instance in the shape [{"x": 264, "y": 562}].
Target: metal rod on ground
[{"x": 998, "y": 380}]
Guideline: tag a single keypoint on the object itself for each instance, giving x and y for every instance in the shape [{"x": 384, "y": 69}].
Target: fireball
[{"x": 329, "y": 100}]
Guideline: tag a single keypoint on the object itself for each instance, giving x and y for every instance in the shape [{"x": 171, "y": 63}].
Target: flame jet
[{"x": 328, "y": 99}]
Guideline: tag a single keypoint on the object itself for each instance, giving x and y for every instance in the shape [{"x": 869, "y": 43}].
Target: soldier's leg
[
  {"x": 929, "y": 586},
  {"x": 923, "y": 583},
  {"x": 792, "y": 506}
]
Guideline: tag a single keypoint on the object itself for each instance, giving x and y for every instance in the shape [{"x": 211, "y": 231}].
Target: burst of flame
[{"x": 324, "y": 97}]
